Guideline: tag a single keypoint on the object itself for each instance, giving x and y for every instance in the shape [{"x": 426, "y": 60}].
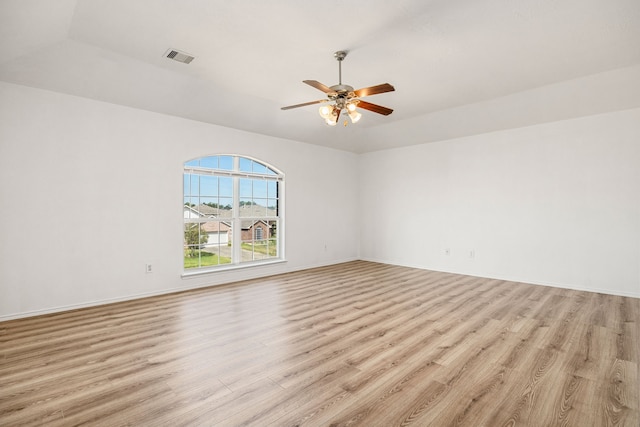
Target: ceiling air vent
[{"x": 176, "y": 55}]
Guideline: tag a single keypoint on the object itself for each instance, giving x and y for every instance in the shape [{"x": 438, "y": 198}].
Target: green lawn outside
[
  {"x": 261, "y": 247},
  {"x": 206, "y": 259}
]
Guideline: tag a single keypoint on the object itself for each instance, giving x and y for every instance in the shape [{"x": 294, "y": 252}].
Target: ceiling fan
[{"x": 343, "y": 98}]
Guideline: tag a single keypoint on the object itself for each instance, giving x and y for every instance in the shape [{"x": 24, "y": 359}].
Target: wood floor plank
[{"x": 354, "y": 344}]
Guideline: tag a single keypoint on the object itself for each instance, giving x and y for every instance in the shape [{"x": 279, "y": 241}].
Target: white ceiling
[{"x": 459, "y": 67}]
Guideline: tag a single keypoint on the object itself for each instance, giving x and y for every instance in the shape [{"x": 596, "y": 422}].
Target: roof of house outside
[
  {"x": 216, "y": 226},
  {"x": 207, "y": 210},
  {"x": 251, "y": 211}
]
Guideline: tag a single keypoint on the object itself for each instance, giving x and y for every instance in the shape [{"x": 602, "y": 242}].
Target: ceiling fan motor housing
[{"x": 343, "y": 93}]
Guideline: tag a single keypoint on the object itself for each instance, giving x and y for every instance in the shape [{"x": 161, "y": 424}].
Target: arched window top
[{"x": 227, "y": 163}]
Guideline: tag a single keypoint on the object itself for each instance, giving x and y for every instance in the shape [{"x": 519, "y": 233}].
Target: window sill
[{"x": 190, "y": 274}]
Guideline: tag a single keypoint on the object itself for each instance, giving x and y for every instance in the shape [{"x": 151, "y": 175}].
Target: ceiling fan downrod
[
  {"x": 340, "y": 89},
  {"x": 340, "y": 55}
]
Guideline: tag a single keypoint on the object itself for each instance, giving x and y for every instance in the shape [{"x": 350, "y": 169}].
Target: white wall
[
  {"x": 74, "y": 171},
  {"x": 555, "y": 204}
]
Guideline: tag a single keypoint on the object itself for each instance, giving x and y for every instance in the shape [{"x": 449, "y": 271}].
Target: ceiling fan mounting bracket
[{"x": 340, "y": 55}]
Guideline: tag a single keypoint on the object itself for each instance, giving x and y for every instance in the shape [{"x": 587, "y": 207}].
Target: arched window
[{"x": 232, "y": 212}]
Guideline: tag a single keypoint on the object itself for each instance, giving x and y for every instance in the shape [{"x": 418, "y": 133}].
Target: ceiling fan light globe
[
  {"x": 351, "y": 107},
  {"x": 325, "y": 111},
  {"x": 354, "y": 116}
]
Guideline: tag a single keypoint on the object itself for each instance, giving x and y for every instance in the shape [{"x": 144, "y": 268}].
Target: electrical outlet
[
  {"x": 447, "y": 251},
  {"x": 148, "y": 268}
]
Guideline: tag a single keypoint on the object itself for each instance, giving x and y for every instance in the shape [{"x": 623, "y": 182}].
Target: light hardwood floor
[{"x": 355, "y": 344}]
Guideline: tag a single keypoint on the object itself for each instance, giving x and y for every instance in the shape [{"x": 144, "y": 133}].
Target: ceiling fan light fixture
[
  {"x": 343, "y": 98},
  {"x": 332, "y": 118},
  {"x": 325, "y": 111}
]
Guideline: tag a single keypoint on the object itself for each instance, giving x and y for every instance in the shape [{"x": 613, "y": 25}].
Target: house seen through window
[{"x": 232, "y": 212}]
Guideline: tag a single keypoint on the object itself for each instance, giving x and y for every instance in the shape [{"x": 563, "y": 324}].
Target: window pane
[
  {"x": 272, "y": 190},
  {"x": 259, "y": 188},
  {"x": 225, "y": 186},
  {"x": 195, "y": 185},
  {"x": 272, "y": 247},
  {"x": 194, "y": 162},
  {"x": 226, "y": 205},
  {"x": 194, "y": 239},
  {"x": 260, "y": 250},
  {"x": 259, "y": 208},
  {"x": 208, "y": 206},
  {"x": 248, "y": 246},
  {"x": 209, "y": 162},
  {"x": 245, "y": 164},
  {"x": 246, "y": 189},
  {"x": 191, "y": 184},
  {"x": 208, "y": 185},
  {"x": 190, "y": 212},
  {"x": 260, "y": 168},
  {"x": 257, "y": 249},
  {"x": 272, "y": 207},
  {"x": 245, "y": 207},
  {"x": 191, "y": 201},
  {"x": 226, "y": 163},
  {"x": 206, "y": 244}
]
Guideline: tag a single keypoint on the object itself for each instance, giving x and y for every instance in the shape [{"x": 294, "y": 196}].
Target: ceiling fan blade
[
  {"x": 319, "y": 86},
  {"x": 338, "y": 116},
  {"x": 375, "y": 108},
  {"x": 303, "y": 104},
  {"x": 374, "y": 90}
]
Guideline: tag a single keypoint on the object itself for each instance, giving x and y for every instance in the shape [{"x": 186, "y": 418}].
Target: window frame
[{"x": 236, "y": 174}]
